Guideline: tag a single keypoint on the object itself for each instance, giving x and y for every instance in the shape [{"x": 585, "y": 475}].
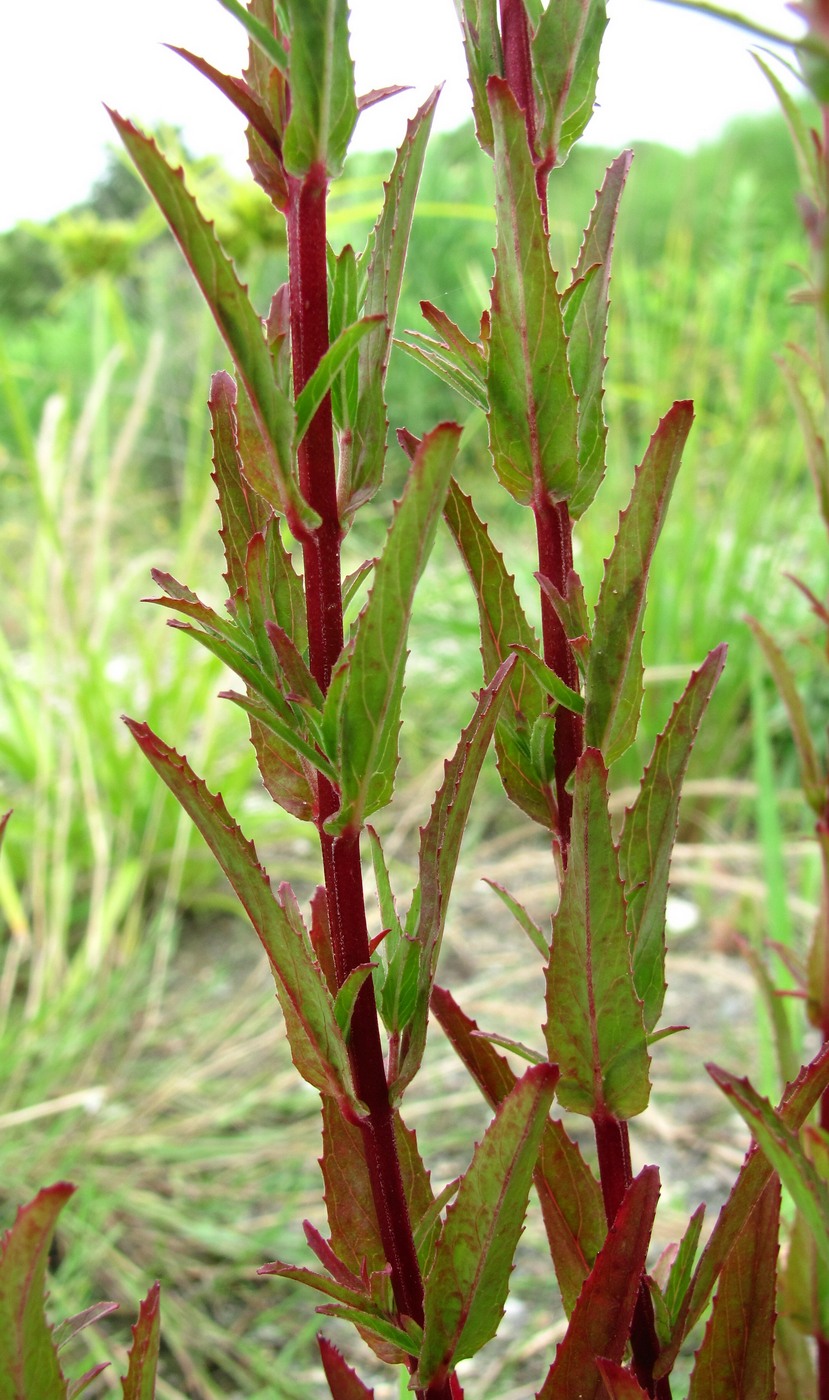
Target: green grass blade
[
  {"x": 614, "y": 682},
  {"x": 533, "y": 411},
  {"x": 595, "y": 1030},
  {"x": 466, "y": 1287}
]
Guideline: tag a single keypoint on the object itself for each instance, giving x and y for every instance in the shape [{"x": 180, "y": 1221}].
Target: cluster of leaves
[{"x": 299, "y": 447}]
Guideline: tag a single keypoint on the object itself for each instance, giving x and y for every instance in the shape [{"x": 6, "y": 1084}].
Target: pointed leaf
[
  {"x": 63, "y": 1332},
  {"x": 680, "y": 1275},
  {"x": 440, "y": 844},
  {"x": 589, "y": 332},
  {"x": 239, "y": 324},
  {"x": 345, "y": 386},
  {"x": 378, "y": 1329},
  {"x": 29, "y": 1363},
  {"x": 467, "y": 1284},
  {"x": 317, "y": 1045},
  {"x": 570, "y": 606},
  {"x": 614, "y": 669},
  {"x": 321, "y": 1283},
  {"x": 520, "y": 914},
  {"x": 343, "y": 1383},
  {"x": 443, "y": 363},
  {"x": 368, "y": 715},
  {"x": 600, "y": 1324},
  {"x": 323, "y": 101},
  {"x": 482, "y": 45},
  {"x": 649, "y": 832},
  {"x": 347, "y": 995},
  {"x": 797, "y": 1103},
  {"x": 533, "y": 411},
  {"x": 619, "y": 1383},
  {"x": 468, "y": 352},
  {"x": 262, "y": 37},
  {"x": 242, "y": 511},
  {"x": 385, "y": 258},
  {"x": 139, "y": 1382},
  {"x": 503, "y": 627},
  {"x": 781, "y": 1145},
  {"x": 335, "y": 358},
  {"x": 237, "y": 91},
  {"x": 571, "y": 1199},
  {"x": 735, "y": 1360},
  {"x": 814, "y": 440},
  {"x": 565, "y": 56},
  {"x": 811, "y": 774},
  {"x": 595, "y": 1031}
]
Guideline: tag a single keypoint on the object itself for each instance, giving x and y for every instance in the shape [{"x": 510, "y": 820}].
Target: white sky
[{"x": 666, "y": 75}]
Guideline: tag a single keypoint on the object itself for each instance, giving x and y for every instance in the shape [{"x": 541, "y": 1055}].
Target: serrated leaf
[
  {"x": 323, "y": 101},
  {"x": 595, "y": 1030},
  {"x": 343, "y": 1383},
  {"x": 588, "y": 335},
  {"x": 565, "y": 58},
  {"x": 619, "y": 1383},
  {"x": 368, "y": 707},
  {"x": 533, "y": 410},
  {"x": 233, "y": 312},
  {"x": 503, "y": 626},
  {"x": 466, "y": 1287},
  {"x": 521, "y": 916},
  {"x": 649, "y": 832},
  {"x": 330, "y": 366},
  {"x": 242, "y": 511},
  {"x": 467, "y": 352},
  {"x": 735, "y": 1360},
  {"x": 433, "y": 355},
  {"x": 781, "y": 1145},
  {"x": 29, "y": 1363},
  {"x": 139, "y": 1382},
  {"x": 570, "y": 607},
  {"x": 482, "y": 46},
  {"x": 571, "y": 1199},
  {"x": 797, "y": 1103},
  {"x": 317, "y": 1045},
  {"x": 811, "y": 773},
  {"x": 440, "y": 843},
  {"x": 615, "y": 672},
  {"x": 600, "y": 1324},
  {"x": 383, "y": 261}
]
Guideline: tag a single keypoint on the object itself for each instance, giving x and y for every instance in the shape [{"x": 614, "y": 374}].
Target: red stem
[{"x": 341, "y": 855}]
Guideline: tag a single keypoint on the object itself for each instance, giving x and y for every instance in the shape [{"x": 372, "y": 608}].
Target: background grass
[{"x": 142, "y": 1051}]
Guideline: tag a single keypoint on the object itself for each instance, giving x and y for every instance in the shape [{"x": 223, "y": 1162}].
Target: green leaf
[
  {"x": 595, "y": 1031},
  {"x": 368, "y": 709},
  {"x": 467, "y": 353},
  {"x": 600, "y": 1324},
  {"x": 781, "y": 1145},
  {"x": 811, "y": 773},
  {"x": 571, "y": 1199},
  {"x": 570, "y": 606},
  {"x": 398, "y": 982},
  {"x": 345, "y": 386},
  {"x": 377, "y": 1328},
  {"x": 317, "y": 1045},
  {"x": 233, "y": 312},
  {"x": 263, "y": 38},
  {"x": 466, "y": 1287},
  {"x": 140, "y": 1380},
  {"x": 323, "y": 102},
  {"x": 29, "y": 1363},
  {"x": 320, "y": 1282},
  {"x": 182, "y": 600},
  {"x": 519, "y": 913},
  {"x": 615, "y": 672},
  {"x": 680, "y": 1275},
  {"x": 434, "y": 355},
  {"x": 588, "y": 334},
  {"x": 335, "y": 358},
  {"x": 803, "y": 1290},
  {"x": 347, "y": 995},
  {"x": 649, "y": 832},
  {"x": 813, "y": 438},
  {"x": 808, "y": 160},
  {"x": 242, "y": 511},
  {"x": 565, "y": 58},
  {"x": 549, "y": 682},
  {"x": 383, "y": 261},
  {"x": 796, "y": 1105},
  {"x": 482, "y": 45},
  {"x": 440, "y": 844},
  {"x": 736, "y": 1357},
  {"x": 533, "y": 411},
  {"x": 503, "y": 627}
]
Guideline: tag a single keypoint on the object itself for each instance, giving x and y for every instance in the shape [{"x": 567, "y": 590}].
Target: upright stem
[{"x": 341, "y": 855}]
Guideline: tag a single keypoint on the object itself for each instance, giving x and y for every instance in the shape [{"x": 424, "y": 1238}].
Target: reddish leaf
[
  {"x": 735, "y": 1361},
  {"x": 619, "y": 1383},
  {"x": 237, "y": 91},
  {"x": 139, "y": 1382},
  {"x": 571, "y": 1199},
  {"x": 466, "y": 1287},
  {"x": 242, "y": 511},
  {"x": 343, "y": 1383},
  {"x": 29, "y": 1363},
  {"x": 595, "y": 1031},
  {"x": 600, "y": 1324}
]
